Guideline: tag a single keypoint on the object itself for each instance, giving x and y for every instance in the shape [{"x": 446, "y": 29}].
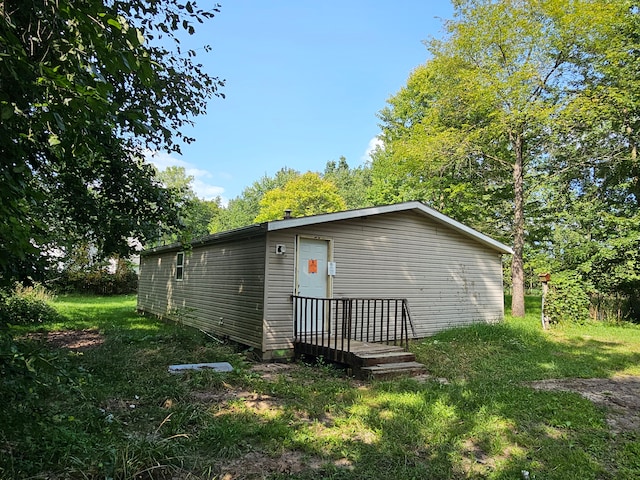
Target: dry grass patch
[{"x": 476, "y": 462}]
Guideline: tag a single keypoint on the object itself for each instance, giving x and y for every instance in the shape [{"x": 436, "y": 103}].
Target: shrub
[
  {"x": 98, "y": 279},
  {"x": 98, "y": 282},
  {"x": 26, "y": 305},
  {"x": 567, "y": 299}
]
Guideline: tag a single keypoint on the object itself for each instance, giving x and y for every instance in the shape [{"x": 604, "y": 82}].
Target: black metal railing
[{"x": 334, "y": 322}]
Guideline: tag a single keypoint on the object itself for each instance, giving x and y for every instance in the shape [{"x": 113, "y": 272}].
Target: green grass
[{"x": 113, "y": 411}]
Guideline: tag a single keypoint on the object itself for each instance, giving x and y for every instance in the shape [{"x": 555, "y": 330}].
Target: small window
[{"x": 179, "y": 265}]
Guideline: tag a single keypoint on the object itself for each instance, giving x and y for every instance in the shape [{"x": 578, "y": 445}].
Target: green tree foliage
[
  {"x": 176, "y": 180},
  {"x": 476, "y": 123},
  {"x": 243, "y": 210},
  {"x": 85, "y": 87},
  {"x": 200, "y": 215},
  {"x": 195, "y": 213},
  {"x": 353, "y": 184},
  {"x": 305, "y": 195},
  {"x": 425, "y": 160},
  {"x": 591, "y": 183},
  {"x": 567, "y": 299},
  {"x": 83, "y": 271}
]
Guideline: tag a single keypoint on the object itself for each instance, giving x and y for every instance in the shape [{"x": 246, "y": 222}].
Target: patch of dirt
[
  {"x": 477, "y": 462},
  {"x": 258, "y": 465},
  {"x": 619, "y": 395},
  {"x": 474, "y": 454},
  {"x": 427, "y": 377},
  {"x": 269, "y": 371},
  {"x": 77, "y": 340},
  {"x": 257, "y": 403}
]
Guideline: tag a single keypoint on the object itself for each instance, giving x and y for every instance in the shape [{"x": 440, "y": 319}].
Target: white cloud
[
  {"x": 205, "y": 190},
  {"x": 202, "y": 183},
  {"x": 162, "y": 160},
  {"x": 374, "y": 143}
]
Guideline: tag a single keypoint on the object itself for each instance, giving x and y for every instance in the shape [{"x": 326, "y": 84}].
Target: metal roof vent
[{"x": 287, "y": 214}]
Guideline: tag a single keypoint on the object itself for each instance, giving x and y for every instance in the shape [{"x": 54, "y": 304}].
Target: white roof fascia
[{"x": 399, "y": 207}]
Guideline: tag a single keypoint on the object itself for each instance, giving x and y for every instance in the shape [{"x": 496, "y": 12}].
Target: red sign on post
[{"x": 313, "y": 266}]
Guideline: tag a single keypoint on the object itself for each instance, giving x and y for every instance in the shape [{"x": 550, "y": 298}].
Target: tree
[
  {"x": 424, "y": 158},
  {"x": 304, "y": 195},
  {"x": 489, "y": 96},
  {"x": 199, "y": 216},
  {"x": 589, "y": 189},
  {"x": 195, "y": 213},
  {"x": 242, "y": 210},
  {"x": 85, "y": 87},
  {"x": 353, "y": 184}
]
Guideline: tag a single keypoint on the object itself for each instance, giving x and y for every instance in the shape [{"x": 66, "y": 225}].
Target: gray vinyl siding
[
  {"x": 448, "y": 278},
  {"x": 279, "y": 286},
  {"x": 155, "y": 282},
  {"x": 222, "y": 291}
]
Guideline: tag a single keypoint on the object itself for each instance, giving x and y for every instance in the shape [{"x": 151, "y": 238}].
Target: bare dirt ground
[
  {"x": 77, "y": 340},
  {"x": 619, "y": 395}
]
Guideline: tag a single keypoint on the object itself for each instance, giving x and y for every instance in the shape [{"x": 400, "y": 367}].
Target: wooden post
[{"x": 544, "y": 278}]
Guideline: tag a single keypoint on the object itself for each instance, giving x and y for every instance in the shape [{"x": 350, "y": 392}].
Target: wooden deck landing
[{"x": 368, "y": 360}]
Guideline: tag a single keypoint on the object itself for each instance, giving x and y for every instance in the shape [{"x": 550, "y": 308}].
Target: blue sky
[{"x": 304, "y": 82}]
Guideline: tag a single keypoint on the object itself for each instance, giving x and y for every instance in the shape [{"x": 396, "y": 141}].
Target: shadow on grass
[
  {"x": 518, "y": 350},
  {"x": 464, "y": 431}
]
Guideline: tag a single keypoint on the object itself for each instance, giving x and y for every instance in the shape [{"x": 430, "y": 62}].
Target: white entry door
[{"x": 312, "y": 280}]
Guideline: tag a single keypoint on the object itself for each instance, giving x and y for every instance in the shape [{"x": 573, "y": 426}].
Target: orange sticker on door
[{"x": 313, "y": 266}]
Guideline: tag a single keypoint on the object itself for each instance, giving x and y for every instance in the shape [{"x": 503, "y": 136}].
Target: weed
[{"x": 26, "y": 305}]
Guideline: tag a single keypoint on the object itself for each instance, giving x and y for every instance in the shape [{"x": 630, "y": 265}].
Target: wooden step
[
  {"x": 369, "y": 348},
  {"x": 390, "y": 370},
  {"x": 370, "y": 359}
]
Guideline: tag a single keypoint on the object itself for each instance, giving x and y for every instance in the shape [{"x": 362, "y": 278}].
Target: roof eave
[
  {"x": 237, "y": 233},
  {"x": 413, "y": 205}
]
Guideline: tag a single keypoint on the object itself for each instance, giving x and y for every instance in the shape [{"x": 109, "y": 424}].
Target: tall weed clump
[
  {"x": 567, "y": 299},
  {"x": 23, "y": 305},
  {"x": 32, "y": 379},
  {"x": 27, "y": 305}
]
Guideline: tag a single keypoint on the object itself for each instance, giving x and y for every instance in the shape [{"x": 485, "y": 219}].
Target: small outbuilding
[{"x": 243, "y": 284}]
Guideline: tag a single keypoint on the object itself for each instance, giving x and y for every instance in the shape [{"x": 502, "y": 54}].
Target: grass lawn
[{"x": 108, "y": 408}]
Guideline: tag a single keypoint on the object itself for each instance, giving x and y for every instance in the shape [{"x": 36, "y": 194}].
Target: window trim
[{"x": 180, "y": 266}]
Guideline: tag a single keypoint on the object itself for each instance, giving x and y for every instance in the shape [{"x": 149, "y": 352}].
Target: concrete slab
[{"x": 216, "y": 367}]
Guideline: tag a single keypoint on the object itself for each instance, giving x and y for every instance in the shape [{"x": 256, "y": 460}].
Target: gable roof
[
  {"x": 274, "y": 225},
  {"x": 414, "y": 206}
]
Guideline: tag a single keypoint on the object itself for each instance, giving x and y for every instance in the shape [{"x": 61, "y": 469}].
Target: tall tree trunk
[{"x": 517, "y": 264}]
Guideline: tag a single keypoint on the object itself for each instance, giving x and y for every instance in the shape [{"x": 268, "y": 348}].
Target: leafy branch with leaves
[{"x": 85, "y": 89}]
